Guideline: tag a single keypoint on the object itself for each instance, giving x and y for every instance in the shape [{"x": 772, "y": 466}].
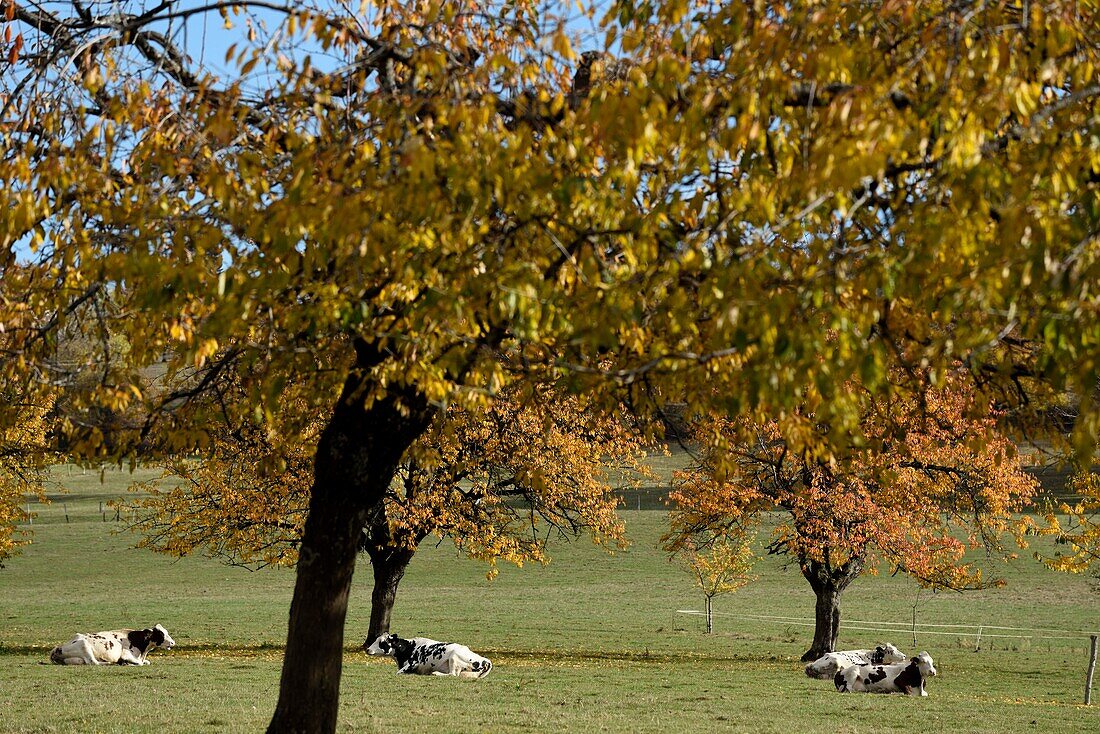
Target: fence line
[{"x": 869, "y": 626}]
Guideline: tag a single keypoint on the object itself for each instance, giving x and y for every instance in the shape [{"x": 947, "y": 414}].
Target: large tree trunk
[
  {"x": 828, "y": 583},
  {"x": 826, "y": 623},
  {"x": 310, "y": 685},
  {"x": 389, "y": 567},
  {"x": 357, "y": 457},
  {"x": 389, "y": 556}
]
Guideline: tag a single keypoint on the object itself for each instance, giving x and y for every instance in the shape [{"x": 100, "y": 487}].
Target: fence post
[
  {"x": 710, "y": 618},
  {"x": 65, "y": 507},
  {"x": 978, "y": 642},
  {"x": 1092, "y": 669}
]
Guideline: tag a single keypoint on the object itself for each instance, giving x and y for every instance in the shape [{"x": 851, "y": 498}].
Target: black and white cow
[
  {"x": 829, "y": 664},
  {"x": 907, "y": 678},
  {"x": 424, "y": 656},
  {"x": 117, "y": 647}
]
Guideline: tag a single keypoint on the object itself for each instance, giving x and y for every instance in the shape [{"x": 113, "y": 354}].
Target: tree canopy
[{"x": 897, "y": 185}]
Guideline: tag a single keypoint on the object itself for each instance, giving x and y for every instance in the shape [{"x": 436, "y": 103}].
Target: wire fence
[{"x": 978, "y": 631}]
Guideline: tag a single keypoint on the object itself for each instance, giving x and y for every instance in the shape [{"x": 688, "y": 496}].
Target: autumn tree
[
  {"x": 24, "y": 457},
  {"x": 1078, "y": 530},
  {"x": 1074, "y": 522},
  {"x": 24, "y": 426},
  {"x": 499, "y": 483},
  {"x": 390, "y": 212},
  {"x": 912, "y": 501},
  {"x": 718, "y": 564}
]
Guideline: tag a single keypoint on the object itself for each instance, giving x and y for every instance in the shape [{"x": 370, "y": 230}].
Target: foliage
[
  {"x": 914, "y": 501},
  {"x": 23, "y": 458},
  {"x": 718, "y": 566},
  {"x": 26, "y": 419},
  {"x": 1078, "y": 531},
  {"x": 243, "y": 500},
  {"x": 499, "y": 483},
  {"x": 904, "y": 184}
]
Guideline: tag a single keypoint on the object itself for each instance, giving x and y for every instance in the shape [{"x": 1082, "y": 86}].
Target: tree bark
[
  {"x": 389, "y": 567},
  {"x": 357, "y": 457},
  {"x": 826, "y": 623},
  {"x": 828, "y": 582}
]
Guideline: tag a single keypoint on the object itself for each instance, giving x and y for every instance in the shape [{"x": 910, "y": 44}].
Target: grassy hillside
[{"x": 591, "y": 642}]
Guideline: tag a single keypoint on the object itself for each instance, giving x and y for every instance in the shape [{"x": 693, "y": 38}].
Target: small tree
[{"x": 719, "y": 565}]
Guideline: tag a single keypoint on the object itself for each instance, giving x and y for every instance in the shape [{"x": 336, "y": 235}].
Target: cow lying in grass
[
  {"x": 424, "y": 656},
  {"x": 907, "y": 678},
  {"x": 117, "y": 647},
  {"x": 829, "y": 664}
]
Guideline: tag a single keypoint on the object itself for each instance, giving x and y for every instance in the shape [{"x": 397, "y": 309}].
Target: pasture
[{"x": 591, "y": 642}]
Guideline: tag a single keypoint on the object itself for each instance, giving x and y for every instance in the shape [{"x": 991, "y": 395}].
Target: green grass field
[{"x": 592, "y": 642}]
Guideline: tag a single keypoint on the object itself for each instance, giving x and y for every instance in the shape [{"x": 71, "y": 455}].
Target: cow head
[
  {"x": 160, "y": 637},
  {"x": 392, "y": 645},
  {"x": 886, "y": 655},
  {"x": 925, "y": 665},
  {"x": 150, "y": 638},
  {"x": 382, "y": 645}
]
